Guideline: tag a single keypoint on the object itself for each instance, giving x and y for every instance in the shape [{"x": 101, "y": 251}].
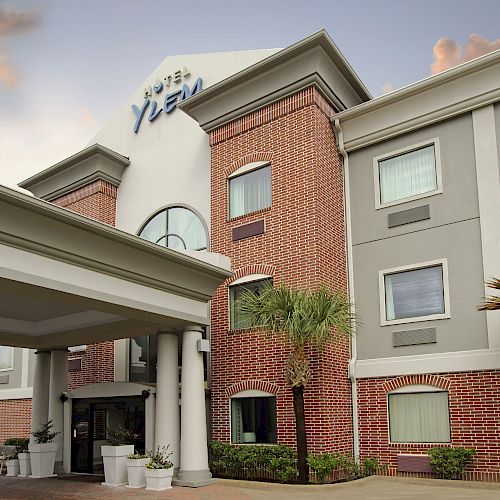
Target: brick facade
[
  {"x": 303, "y": 245},
  {"x": 15, "y": 418},
  {"x": 474, "y": 403}
]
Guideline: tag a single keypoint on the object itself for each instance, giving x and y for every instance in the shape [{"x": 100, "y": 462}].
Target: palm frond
[{"x": 491, "y": 303}]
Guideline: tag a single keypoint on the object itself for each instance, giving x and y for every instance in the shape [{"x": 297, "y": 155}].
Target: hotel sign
[{"x": 169, "y": 101}]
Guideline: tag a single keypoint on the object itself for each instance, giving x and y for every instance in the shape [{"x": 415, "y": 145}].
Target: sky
[{"x": 66, "y": 66}]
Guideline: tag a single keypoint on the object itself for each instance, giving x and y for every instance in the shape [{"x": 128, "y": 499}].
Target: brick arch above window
[
  {"x": 264, "y": 269},
  {"x": 245, "y": 160},
  {"x": 424, "y": 379},
  {"x": 252, "y": 385}
]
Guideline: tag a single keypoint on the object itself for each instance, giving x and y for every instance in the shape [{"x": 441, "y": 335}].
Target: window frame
[
  {"x": 244, "y": 280},
  {"x": 416, "y": 389},
  {"x": 165, "y": 208},
  {"x": 246, "y": 169},
  {"x": 399, "y": 152},
  {"x": 251, "y": 393},
  {"x": 414, "y": 267},
  {"x": 11, "y": 368}
]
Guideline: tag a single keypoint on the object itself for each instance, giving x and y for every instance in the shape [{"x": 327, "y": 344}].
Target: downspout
[{"x": 350, "y": 279}]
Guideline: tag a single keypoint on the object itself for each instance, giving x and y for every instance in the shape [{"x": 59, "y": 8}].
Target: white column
[
  {"x": 58, "y": 385},
  {"x": 488, "y": 191},
  {"x": 194, "y": 469},
  {"x": 40, "y": 400},
  {"x": 167, "y": 423}
]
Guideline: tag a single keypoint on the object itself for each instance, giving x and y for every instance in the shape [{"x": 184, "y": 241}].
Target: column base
[
  {"x": 193, "y": 478},
  {"x": 58, "y": 467}
]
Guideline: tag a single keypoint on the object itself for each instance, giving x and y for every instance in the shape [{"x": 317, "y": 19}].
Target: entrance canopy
[{"x": 67, "y": 280}]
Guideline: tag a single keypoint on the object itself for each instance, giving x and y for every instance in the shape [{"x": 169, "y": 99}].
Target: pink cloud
[
  {"x": 13, "y": 22},
  {"x": 8, "y": 73},
  {"x": 387, "y": 87},
  {"x": 448, "y": 53}
]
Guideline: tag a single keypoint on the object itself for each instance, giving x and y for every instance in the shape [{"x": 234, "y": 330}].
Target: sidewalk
[{"x": 372, "y": 488}]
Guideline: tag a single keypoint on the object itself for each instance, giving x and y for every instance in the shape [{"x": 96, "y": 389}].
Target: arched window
[{"x": 176, "y": 227}]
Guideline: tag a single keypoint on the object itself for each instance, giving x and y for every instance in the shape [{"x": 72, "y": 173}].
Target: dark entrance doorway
[{"x": 91, "y": 420}]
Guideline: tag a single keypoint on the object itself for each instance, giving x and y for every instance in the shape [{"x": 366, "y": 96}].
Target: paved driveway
[{"x": 372, "y": 488}]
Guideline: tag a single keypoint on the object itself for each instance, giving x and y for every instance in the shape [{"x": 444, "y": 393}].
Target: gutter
[{"x": 350, "y": 278}]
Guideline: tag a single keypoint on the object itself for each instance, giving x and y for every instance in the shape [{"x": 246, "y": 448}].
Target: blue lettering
[
  {"x": 185, "y": 92},
  {"x": 171, "y": 101},
  {"x": 139, "y": 113},
  {"x": 153, "y": 113}
]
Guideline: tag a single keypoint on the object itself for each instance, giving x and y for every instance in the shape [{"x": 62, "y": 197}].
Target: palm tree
[
  {"x": 492, "y": 302},
  {"x": 304, "y": 318}
]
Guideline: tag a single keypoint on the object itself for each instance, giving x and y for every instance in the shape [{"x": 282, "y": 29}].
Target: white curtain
[
  {"x": 416, "y": 293},
  {"x": 250, "y": 192},
  {"x": 419, "y": 417},
  {"x": 5, "y": 357},
  {"x": 185, "y": 228},
  {"x": 408, "y": 175}
]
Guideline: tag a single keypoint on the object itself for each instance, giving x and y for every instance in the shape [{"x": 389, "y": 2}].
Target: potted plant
[
  {"x": 159, "y": 470},
  {"x": 23, "y": 456},
  {"x": 12, "y": 464},
  {"x": 43, "y": 451},
  {"x": 114, "y": 456},
  {"x": 136, "y": 470}
]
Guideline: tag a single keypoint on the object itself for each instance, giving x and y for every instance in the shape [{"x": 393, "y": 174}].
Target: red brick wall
[
  {"x": 97, "y": 365},
  {"x": 15, "y": 418},
  {"x": 474, "y": 399},
  {"x": 303, "y": 245},
  {"x": 96, "y": 200}
]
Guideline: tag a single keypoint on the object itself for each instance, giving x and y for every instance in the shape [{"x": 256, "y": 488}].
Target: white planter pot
[
  {"x": 12, "y": 467},
  {"x": 159, "y": 479},
  {"x": 136, "y": 472},
  {"x": 42, "y": 458},
  {"x": 115, "y": 463},
  {"x": 24, "y": 464}
]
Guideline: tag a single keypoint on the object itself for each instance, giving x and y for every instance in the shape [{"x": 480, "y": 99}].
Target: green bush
[
  {"x": 326, "y": 463},
  {"x": 370, "y": 466},
  {"x": 247, "y": 460},
  {"x": 450, "y": 463},
  {"x": 21, "y": 444}
]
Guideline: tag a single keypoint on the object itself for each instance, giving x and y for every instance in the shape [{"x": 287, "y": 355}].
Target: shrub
[
  {"x": 370, "y": 466},
  {"x": 137, "y": 456},
  {"x": 248, "y": 460},
  {"x": 450, "y": 463},
  {"x": 21, "y": 444},
  {"x": 159, "y": 459},
  {"x": 45, "y": 434},
  {"x": 119, "y": 435}
]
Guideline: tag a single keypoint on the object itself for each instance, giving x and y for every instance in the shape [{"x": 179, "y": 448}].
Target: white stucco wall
[{"x": 170, "y": 156}]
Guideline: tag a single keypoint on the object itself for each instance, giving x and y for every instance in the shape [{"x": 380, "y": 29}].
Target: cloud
[
  {"x": 87, "y": 120},
  {"x": 14, "y": 22},
  {"x": 387, "y": 87},
  {"x": 8, "y": 73},
  {"x": 448, "y": 53}
]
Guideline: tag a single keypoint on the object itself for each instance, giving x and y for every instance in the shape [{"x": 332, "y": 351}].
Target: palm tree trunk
[{"x": 300, "y": 429}]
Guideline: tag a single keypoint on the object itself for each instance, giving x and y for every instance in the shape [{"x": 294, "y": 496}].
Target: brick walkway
[{"x": 373, "y": 488}]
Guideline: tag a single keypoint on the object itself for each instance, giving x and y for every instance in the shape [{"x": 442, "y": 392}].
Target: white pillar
[
  {"x": 58, "y": 385},
  {"x": 194, "y": 469},
  {"x": 40, "y": 400},
  {"x": 167, "y": 423}
]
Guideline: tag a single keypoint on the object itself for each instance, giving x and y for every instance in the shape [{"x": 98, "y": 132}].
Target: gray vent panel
[
  {"x": 414, "y": 337},
  {"x": 408, "y": 216},
  {"x": 4, "y": 379}
]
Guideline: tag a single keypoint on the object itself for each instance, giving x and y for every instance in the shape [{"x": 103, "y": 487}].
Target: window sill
[
  {"x": 240, "y": 217},
  {"x": 254, "y": 444},
  {"x": 432, "y": 317},
  {"x": 253, "y": 329},
  {"x": 419, "y": 445},
  {"x": 402, "y": 201}
]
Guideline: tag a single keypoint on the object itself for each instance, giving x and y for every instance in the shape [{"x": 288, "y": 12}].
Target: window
[
  {"x": 406, "y": 175},
  {"x": 253, "y": 420},
  {"x": 238, "y": 319},
  {"x": 414, "y": 293},
  {"x": 419, "y": 417},
  {"x": 249, "y": 191},
  {"x": 6, "y": 358},
  {"x": 142, "y": 359},
  {"x": 177, "y": 228}
]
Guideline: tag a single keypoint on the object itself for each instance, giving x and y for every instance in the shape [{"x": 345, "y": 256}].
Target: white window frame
[
  {"x": 415, "y": 389},
  {"x": 249, "y": 278},
  {"x": 252, "y": 393},
  {"x": 398, "y": 152},
  {"x": 245, "y": 169},
  {"x": 414, "y": 267},
  {"x": 11, "y": 368}
]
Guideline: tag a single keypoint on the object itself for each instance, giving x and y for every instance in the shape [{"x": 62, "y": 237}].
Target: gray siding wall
[
  {"x": 452, "y": 232},
  {"x": 497, "y": 126},
  {"x": 15, "y": 374}
]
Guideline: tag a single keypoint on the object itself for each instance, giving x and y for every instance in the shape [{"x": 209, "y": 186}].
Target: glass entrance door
[{"x": 91, "y": 420}]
